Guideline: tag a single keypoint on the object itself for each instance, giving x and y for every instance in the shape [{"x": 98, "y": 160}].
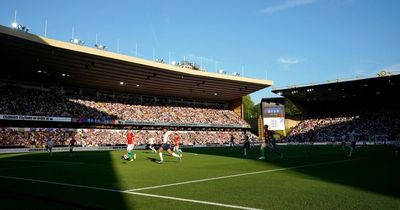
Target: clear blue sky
[{"x": 288, "y": 41}]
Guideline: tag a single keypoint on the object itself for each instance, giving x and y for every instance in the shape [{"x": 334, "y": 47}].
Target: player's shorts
[
  {"x": 151, "y": 141},
  {"x": 129, "y": 147},
  {"x": 165, "y": 146}
]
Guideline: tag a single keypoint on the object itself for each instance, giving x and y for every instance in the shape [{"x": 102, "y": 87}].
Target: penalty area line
[
  {"x": 132, "y": 193},
  {"x": 245, "y": 174}
]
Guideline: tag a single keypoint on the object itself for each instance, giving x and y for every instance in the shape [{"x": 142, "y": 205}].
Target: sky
[{"x": 291, "y": 42}]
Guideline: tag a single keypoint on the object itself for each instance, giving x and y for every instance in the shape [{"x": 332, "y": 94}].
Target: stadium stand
[
  {"x": 58, "y": 90},
  {"x": 28, "y": 137},
  {"x": 371, "y": 127},
  {"x": 58, "y": 103},
  {"x": 367, "y": 105}
]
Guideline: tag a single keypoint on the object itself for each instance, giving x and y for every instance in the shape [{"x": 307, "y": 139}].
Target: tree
[
  {"x": 290, "y": 108},
  {"x": 257, "y": 110},
  {"x": 249, "y": 109}
]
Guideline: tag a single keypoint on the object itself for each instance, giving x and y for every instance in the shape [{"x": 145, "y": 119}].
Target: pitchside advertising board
[{"x": 273, "y": 115}]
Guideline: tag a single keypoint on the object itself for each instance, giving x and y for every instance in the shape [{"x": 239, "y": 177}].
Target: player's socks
[
  {"x": 161, "y": 156},
  {"x": 130, "y": 155},
  {"x": 152, "y": 149},
  {"x": 176, "y": 155},
  {"x": 262, "y": 152}
]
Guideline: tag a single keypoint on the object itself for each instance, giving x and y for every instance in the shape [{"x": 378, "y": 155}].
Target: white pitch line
[
  {"x": 133, "y": 193},
  {"x": 59, "y": 183},
  {"x": 243, "y": 174},
  {"x": 193, "y": 201}
]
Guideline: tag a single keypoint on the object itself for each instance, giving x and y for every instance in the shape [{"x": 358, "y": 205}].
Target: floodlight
[
  {"x": 100, "y": 46},
  {"x": 20, "y": 27},
  {"x": 77, "y": 41}
]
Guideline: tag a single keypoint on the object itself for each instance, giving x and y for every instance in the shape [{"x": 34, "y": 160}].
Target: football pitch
[{"x": 206, "y": 178}]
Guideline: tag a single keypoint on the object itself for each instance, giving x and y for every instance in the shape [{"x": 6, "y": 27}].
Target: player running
[
  {"x": 151, "y": 144},
  {"x": 353, "y": 140},
  {"x": 130, "y": 154},
  {"x": 49, "y": 146},
  {"x": 269, "y": 141},
  {"x": 246, "y": 144},
  {"x": 232, "y": 141},
  {"x": 272, "y": 145},
  {"x": 166, "y": 146},
  {"x": 265, "y": 143},
  {"x": 177, "y": 141},
  {"x": 71, "y": 146}
]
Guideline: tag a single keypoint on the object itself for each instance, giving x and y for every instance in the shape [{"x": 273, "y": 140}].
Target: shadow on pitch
[
  {"x": 155, "y": 160},
  {"x": 95, "y": 169},
  {"x": 378, "y": 174}
]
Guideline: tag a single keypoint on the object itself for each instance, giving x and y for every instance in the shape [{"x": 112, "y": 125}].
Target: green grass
[{"x": 369, "y": 180}]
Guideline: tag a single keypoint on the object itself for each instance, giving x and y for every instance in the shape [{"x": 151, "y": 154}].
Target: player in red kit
[
  {"x": 265, "y": 143},
  {"x": 131, "y": 155},
  {"x": 177, "y": 141},
  {"x": 270, "y": 141}
]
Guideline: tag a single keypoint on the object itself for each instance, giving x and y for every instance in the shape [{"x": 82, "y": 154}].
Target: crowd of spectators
[
  {"x": 377, "y": 126},
  {"x": 18, "y": 100},
  {"x": 29, "y": 137}
]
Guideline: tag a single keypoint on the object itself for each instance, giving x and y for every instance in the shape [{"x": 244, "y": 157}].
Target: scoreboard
[{"x": 273, "y": 111}]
